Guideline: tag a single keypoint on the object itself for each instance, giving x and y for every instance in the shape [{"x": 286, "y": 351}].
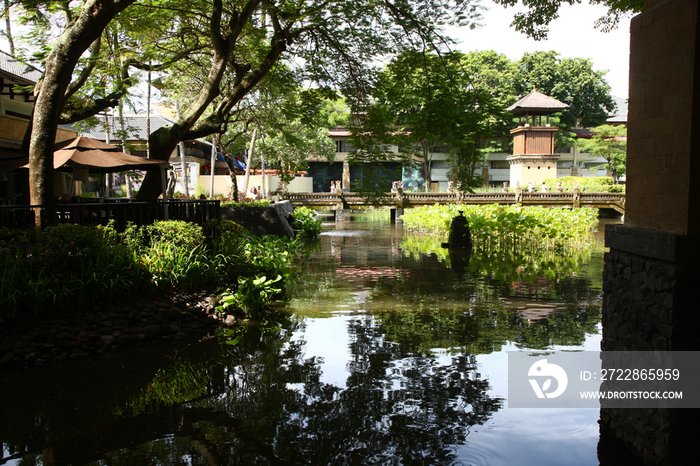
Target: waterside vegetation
[
  {"x": 69, "y": 268},
  {"x": 495, "y": 227}
]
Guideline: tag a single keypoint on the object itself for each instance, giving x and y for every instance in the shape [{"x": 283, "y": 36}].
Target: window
[{"x": 502, "y": 164}]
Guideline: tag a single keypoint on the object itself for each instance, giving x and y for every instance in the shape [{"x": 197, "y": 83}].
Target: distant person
[{"x": 544, "y": 188}]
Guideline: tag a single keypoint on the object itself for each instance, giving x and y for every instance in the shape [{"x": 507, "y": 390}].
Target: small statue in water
[{"x": 460, "y": 236}]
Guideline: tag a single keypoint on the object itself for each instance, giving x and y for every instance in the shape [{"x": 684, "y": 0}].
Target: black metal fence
[{"x": 121, "y": 211}]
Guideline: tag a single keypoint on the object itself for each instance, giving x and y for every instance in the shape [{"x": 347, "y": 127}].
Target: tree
[
  {"x": 54, "y": 89},
  {"x": 337, "y": 41},
  {"x": 427, "y": 103},
  {"x": 569, "y": 80},
  {"x": 534, "y": 22},
  {"x": 609, "y": 142}
]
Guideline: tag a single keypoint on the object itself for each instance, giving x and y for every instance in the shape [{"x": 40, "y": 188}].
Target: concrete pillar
[
  {"x": 651, "y": 271},
  {"x": 346, "y": 176},
  {"x": 340, "y": 214},
  {"x": 395, "y": 215}
]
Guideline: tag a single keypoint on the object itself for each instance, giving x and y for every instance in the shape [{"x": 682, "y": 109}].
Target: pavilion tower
[{"x": 533, "y": 158}]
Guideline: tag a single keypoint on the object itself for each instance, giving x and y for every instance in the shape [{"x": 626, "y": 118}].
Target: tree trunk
[
  {"x": 148, "y": 116},
  {"x": 8, "y": 28},
  {"x": 231, "y": 171},
  {"x": 426, "y": 165},
  {"x": 65, "y": 53},
  {"x": 214, "y": 150},
  {"x": 249, "y": 162},
  {"x": 262, "y": 166}
]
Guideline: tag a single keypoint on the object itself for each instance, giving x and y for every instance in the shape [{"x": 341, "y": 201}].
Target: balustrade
[{"x": 121, "y": 211}]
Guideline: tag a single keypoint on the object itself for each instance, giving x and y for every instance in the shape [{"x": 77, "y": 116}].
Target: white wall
[{"x": 222, "y": 183}]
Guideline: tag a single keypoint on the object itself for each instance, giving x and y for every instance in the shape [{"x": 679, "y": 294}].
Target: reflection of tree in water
[{"x": 397, "y": 407}]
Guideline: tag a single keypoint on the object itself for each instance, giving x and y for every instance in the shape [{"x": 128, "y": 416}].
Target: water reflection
[{"x": 386, "y": 355}]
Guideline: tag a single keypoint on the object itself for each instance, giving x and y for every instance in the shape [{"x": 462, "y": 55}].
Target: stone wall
[{"x": 650, "y": 304}]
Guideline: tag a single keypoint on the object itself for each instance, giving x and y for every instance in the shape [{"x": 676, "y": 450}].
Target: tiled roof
[
  {"x": 537, "y": 102},
  {"x": 135, "y": 127},
  {"x": 26, "y": 74}
]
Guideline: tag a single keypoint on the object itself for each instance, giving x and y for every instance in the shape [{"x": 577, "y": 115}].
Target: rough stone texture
[
  {"x": 108, "y": 328},
  {"x": 663, "y": 106},
  {"x": 649, "y": 304},
  {"x": 651, "y": 271},
  {"x": 261, "y": 221}
]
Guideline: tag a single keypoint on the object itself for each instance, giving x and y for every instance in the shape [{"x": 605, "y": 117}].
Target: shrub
[
  {"x": 64, "y": 266},
  {"x": 305, "y": 219},
  {"x": 591, "y": 184}
]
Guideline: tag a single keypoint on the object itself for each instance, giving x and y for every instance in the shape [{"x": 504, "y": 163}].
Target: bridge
[{"x": 576, "y": 199}]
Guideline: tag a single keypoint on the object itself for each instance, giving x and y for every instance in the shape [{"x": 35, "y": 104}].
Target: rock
[
  {"x": 108, "y": 340},
  {"x": 260, "y": 221},
  {"x": 8, "y": 358},
  {"x": 127, "y": 339},
  {"x": 213, "y": 301},
  {"x": 152, "y": 331}
]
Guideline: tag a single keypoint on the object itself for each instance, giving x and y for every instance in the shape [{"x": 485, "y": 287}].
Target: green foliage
[
  {"x": 267, "y": 270},
  {"x": 66, "y": 266},
  {"x": 495, "y": 227},
  {"x": 589, "y": 184},
  {"x": 534, "y": 22},
  {"x": 248, "y": 202},
  {"x": 569, "y": 80},
  {"x": 609, "y": 142},
  {"x": 306, "y": 220},
  {"x": 426, "y": 103},
  {"x": 69, "y": 267}
]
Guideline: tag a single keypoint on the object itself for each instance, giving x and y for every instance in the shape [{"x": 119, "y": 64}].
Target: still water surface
[{"x": 391, "y": 352}]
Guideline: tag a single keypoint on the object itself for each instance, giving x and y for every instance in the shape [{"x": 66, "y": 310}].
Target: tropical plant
[{"x": 306, "y": 220}]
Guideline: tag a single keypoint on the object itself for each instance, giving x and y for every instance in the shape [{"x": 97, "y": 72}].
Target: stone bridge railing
[{"x": 399, "y": 199}]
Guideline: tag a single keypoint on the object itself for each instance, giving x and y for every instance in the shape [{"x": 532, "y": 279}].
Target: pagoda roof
[{"x": 536, "y": 102}]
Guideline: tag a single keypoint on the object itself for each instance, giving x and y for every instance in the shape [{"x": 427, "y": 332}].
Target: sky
[{"x": 572, "y": 35}]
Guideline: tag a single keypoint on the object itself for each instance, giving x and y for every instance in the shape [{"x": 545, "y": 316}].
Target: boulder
[{"x": 262, "y": 221}]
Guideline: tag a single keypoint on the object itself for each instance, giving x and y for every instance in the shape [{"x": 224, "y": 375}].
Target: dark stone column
[{"x": 651, "y": 278}]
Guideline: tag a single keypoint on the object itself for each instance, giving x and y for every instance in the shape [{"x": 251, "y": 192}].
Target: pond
[{"x": 390, "y": 351}]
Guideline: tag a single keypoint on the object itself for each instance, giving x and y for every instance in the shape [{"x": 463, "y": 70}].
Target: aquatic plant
[{"x": 508, "y": 227}]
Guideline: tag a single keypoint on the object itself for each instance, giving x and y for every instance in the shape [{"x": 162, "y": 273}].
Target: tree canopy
[
  {"x": 609, "y": 142},
  {"x": 535, "y": 21},
  {"x": 455, "y": 103},
  {"x": 228, "y": 46},
  {"x": 569, "y": 80}
]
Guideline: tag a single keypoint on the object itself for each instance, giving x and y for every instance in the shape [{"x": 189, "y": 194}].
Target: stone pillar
[
  {"x": 346, "y": 176},
  {"x": 651, "y": 270},
  {"x": 395, "y": 215}
]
